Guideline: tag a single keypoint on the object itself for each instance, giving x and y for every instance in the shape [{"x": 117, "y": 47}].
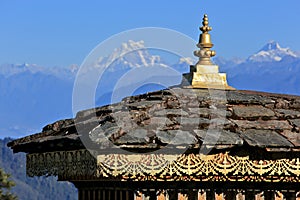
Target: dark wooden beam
[
  {"x": 192, "y": 195},
  {"x": 270, "y": 195},
  {"x": 230, "y": 195},
  {"x": 210, "y": 195},
  {"x": 289, "y": 195},
  {"x": 249, "y": 195},
  {"x": 173, "y": 194}
]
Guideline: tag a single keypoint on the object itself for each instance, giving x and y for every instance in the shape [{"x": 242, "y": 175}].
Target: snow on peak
[
  {"x": 129, "y": 55},
  {"x": 130, "y": 46},
  {"x": 125, "y": 49},
  {"x": 188, "y": 60},
  {"x": 272, "y": 45},
  {"x": 272, "y": 51}
]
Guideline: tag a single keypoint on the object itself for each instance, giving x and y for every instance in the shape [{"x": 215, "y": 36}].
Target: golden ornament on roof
[{"x": 205, "y": 53}]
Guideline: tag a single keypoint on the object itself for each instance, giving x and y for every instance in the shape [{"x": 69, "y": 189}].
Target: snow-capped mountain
[
  {"x": 272, "y": 51},
  {"x": 272, "y": 69},
  {"x": 129, "y": 55}
]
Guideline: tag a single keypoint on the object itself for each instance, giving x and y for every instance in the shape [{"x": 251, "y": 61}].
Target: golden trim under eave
[
  {"x": 205, "y": 74},
  {"x": 195, "y": 167},
  {"x": 81, "y": 165}
]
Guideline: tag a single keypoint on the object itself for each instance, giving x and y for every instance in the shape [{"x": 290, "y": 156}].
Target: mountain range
[
  {"x": 32, "y": 96},
  {"x": 271, "y": 69},
  {"x": 272, "y": 52}
]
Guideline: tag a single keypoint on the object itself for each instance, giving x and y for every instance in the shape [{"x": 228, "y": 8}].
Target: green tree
[{"x": 5, "y": 185}]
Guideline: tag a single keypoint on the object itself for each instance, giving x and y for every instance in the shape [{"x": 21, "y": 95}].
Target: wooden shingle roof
[{"x": 176, "y": 118}]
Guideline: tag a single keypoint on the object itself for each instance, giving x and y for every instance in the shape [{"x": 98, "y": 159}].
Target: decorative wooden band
[{"x": 150, "y": 167}]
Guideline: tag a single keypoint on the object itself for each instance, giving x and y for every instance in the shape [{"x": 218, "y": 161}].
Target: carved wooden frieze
[
  {"x": 76, "y": 165},
  {"x": 64, "y": 164}
]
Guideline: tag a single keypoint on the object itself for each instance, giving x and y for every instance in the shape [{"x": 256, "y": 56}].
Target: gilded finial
[
  {"x": 205, "y": 53},
  {"x": 205, "y": 74},
  {"x": 205, "y": 28}
]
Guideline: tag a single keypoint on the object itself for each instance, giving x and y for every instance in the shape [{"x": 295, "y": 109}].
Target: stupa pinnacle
[
  {"x": 205, "y": 44},
  {"x": 205, "y": 74}
]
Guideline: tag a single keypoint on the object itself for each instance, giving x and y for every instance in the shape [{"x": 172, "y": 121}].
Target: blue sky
[{"x": 63, "y": 32}]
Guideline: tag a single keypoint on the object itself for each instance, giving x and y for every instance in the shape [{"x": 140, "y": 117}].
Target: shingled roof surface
[{"x": 178, "y": 117}]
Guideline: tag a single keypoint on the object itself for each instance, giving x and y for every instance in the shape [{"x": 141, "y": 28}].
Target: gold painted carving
[
  {"x": 74, "y": 165},
  {"x": 194, "y": 167}
]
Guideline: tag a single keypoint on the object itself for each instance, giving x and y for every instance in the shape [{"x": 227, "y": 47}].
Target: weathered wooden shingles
[
  {"x": 186, "y": 117},
  {"x": 191, "y": 117}
]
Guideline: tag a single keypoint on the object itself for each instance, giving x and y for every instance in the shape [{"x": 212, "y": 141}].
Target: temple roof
[{"x": 178, "y": 118}]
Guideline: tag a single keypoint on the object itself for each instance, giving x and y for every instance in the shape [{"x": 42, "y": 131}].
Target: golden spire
[
  {"x": 205, "y": 53},
  {"x": 205, "y": 74}
]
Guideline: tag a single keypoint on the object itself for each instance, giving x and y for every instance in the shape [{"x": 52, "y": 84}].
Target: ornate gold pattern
[
  {"x": 142, "y": 167},
  {"x": 220, "y": 167}
]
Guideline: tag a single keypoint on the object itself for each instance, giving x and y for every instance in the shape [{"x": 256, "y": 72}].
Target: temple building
[{"x": 201, "y": 139}]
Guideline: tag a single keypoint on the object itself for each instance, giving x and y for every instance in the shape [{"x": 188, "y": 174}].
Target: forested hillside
[{"x": 37, "y": 188}]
